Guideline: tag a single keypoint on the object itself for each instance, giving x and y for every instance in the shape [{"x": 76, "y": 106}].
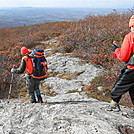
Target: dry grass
[
  {"x": 126, "y": 101},
  {"x": 66, "y": 54},
  {"x": 71, "y": 91},
  {"x": 25, "y": 98},
  {"x": 92, "y": 91},
  {"x": 46, "y": 90},
  {"x": 68, "y": 76},
  {"x": 41, "y": 46},
  {"x": 49, "y": 74}
]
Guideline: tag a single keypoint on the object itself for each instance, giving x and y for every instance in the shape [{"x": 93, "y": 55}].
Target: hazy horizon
[
  {"x": 69, "y": 3},
  {"x": 71, "y": 7},
  {"x": 25, "y": 16}
]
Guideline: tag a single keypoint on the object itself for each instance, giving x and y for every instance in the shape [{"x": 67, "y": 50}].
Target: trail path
[{"x": 65, "y": 113}]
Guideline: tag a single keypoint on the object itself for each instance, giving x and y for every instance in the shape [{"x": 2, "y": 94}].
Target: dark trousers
[
  {"x": 32, "y": 84},
  {"x": 124, "y": 83}
]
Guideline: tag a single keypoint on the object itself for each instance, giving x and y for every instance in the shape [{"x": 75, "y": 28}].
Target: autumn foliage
[
  {"x": 94, "y": 35},
  {"x": 90, "y": 39},
  {"x": 12, "y": 39}
]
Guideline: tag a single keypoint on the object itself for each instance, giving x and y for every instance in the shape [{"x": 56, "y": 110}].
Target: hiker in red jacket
[
  {"x": 125, "y": 82},
  {"x": 32, "y": 84}
]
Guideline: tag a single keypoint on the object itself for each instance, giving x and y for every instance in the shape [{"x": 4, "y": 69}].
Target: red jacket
[
  {"x": 27, "y": 66},
  {"x": 127, "y": 48}
]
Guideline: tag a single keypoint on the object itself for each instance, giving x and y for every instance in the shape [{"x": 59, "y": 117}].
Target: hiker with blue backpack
[
  {"x": 125, "y": 82},
  {"x": 34, "y": 64}
]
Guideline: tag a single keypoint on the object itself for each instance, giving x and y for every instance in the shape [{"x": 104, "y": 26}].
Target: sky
[{"x": 69, "y": 3}]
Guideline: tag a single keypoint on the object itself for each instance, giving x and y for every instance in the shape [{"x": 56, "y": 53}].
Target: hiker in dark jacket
[
  {"x": 31, "y": 84},
  {"x": 125, "y": 82}
]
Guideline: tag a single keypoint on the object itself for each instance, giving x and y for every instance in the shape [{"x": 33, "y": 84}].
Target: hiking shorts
[
  {"x": 124, "y": 83},
  {"x": 32, "y": 84}
]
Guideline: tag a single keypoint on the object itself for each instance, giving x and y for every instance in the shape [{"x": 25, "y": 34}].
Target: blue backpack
[{"x": 39, "y": 64}]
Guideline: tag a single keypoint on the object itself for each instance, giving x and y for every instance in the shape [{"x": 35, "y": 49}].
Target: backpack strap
[{"x": 29, "y": 65}]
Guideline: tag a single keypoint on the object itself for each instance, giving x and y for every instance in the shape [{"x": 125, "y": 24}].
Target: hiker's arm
[
  {"x": 124, "y": 52},
  {"x": 21, "y": 68}
]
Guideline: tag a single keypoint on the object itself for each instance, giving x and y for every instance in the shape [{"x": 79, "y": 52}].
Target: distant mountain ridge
[{"x": 22, "y": 16}]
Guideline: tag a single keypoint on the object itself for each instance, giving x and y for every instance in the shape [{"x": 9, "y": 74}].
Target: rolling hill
[{"x": 23, "y": 16}]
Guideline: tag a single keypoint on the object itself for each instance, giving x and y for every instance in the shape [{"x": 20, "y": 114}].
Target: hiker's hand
[
  {"x": 114, "y": 46},
  {"x": 12, "y": 70}
]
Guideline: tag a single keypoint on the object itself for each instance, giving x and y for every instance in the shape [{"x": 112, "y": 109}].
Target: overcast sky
[{"x": 68, "y": 3}]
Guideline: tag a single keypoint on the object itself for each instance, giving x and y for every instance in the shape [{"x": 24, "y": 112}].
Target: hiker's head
[
  {"x": 131, "y": 21},
  {"x": 24, "y": 50}
]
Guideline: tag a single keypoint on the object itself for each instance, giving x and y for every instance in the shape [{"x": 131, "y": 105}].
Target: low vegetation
[{"x": 90, "y": 39}]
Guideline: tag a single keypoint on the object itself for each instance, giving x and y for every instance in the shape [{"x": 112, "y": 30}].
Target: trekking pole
[{"x": 11, "y": 83}]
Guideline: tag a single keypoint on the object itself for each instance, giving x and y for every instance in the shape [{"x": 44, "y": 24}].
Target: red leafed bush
[
  {"x": 94, "y": 35},
  {"x": 90, "y": 39},
  {"x": 12, "y": 39}
]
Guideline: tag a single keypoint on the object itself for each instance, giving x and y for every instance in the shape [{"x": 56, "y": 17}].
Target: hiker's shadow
[{"x": 70, "y": 102}]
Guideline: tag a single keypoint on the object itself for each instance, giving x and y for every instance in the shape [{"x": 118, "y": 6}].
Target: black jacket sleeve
[{"x": 21, "y": 68}]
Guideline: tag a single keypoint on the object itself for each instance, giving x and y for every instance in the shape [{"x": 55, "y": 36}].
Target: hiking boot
[
  {"x": 39, "y": 99},
  {"x": 114, "y": 106},
  {"x": 33, "y": 101},
  {"x": 32, "y": 98}
]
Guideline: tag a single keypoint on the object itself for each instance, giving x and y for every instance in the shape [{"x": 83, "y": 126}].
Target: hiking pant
[
  {"x": 32, "y": 84},
  {"x": 124, "y": 83}
]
